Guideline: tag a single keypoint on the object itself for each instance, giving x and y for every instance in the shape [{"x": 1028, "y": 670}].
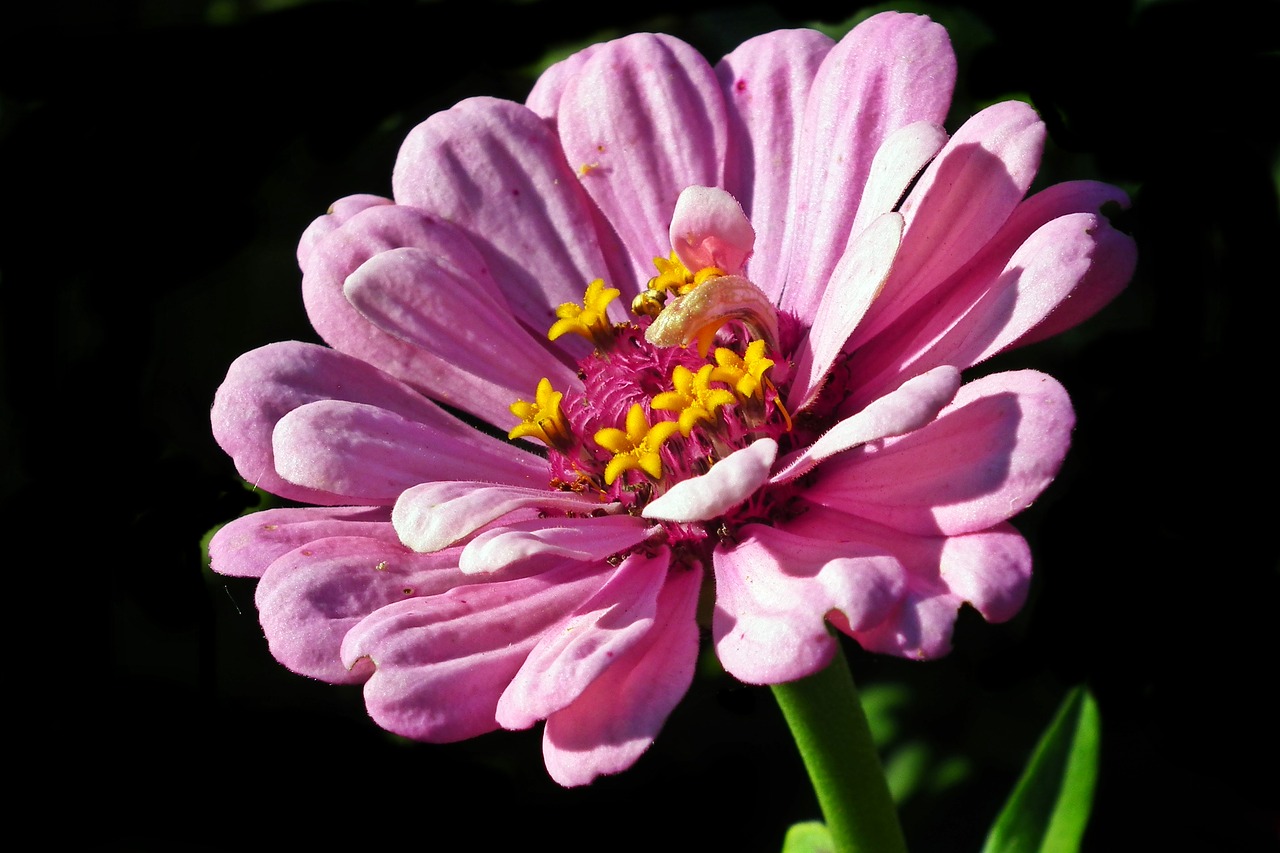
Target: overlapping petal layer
[{"x": 844, "y": 476}]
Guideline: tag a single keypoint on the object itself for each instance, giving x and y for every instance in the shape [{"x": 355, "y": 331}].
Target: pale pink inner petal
[
  {"x": 432, "y": 516},
  {"x": 729, "y": 482},
  {"x": 573, "y": 654},
  {"x": 615, "y": 719},
  {"x": 854, "y": 285},
  {"x": 309, "y": 598},
  {"x": 570, "y": 538},
  {"x": 897, "y": 163},
  {"x": 910, "y": 407},
  {"x": 443, "y": 661},
  {"x": 766, "y": 82},
  {"x": 709, "y": 229},
  {"x": 245, "y": 546},
  {"x": 372, "y": 454},
  {"x": 773, "y": 590},
  {"x": 427, "y": 302},
  {"x": 642, "y": 119},
  {"x": 986, "y": 457}
]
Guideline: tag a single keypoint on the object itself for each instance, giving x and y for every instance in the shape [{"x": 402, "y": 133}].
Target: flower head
[{"x": 724, "y": 363}]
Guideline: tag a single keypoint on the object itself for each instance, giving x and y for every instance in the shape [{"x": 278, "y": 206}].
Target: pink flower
[{"x": 666, "y": 331}]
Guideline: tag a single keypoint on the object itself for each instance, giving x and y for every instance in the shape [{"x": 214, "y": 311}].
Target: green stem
[{"x": 830, "y": 728}]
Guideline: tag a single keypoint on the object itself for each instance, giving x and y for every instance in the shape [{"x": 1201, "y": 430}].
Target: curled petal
[
  {"x": 246, "y": 546},
  {"x": 432, "y": 516},
  {"x": 568, "y": 538},
  {"x": 773, "y": 590},
  {"x": 618, "y": 715},
  {"x": 985, "y": 458},
  {"x": 709, "y": 229},
  {"x": 729, "y": 482}
]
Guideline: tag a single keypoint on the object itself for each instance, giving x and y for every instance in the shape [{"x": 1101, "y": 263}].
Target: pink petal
[
  {"x": 443, "y": 661},
  {"x": 544, "y": 97},
  {"x": 264, "y": 385},
  {"x": 854, "y": 285},
  {"x": 642, "y": 119},
  {"x": 309, "y": 598},
  {"x": 339, "y": 212},
  {"x": 910, "y": 407},
  {"x": 495, "y": 169},
  {"x": 774, "y": 590},
  {"x": 245, "y": 546},
  {"x": 898, "y": 162},
  {"x": 567, "y": 538},
  {"x": 766, "y": 82},
  {"x": 432, "y": 516},
  {"x": 619, "y": 714},
  {"x": 985, "y": 458},
  {"x": 370, "y": 454},
  {"x": 960, "y": 202},
  {"x": 575, "y": 653},
  {"x": 729, "y": 482},
  {"x": 381, "y": 229},
  {"x": 890, "y": 71},
  {"x": 709, "y": 229},
  {"x": 989, "y": 309},
  {"x": 425, "y": 301}
]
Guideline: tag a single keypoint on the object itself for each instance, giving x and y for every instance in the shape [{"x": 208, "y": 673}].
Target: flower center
[{"x": 665, "y": 396}]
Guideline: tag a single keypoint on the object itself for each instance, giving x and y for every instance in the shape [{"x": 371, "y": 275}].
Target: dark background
[{"x": 158, "y": 162}]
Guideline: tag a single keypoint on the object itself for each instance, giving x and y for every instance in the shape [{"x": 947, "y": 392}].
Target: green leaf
[
  {"x": 1049, "y": 808},
  {"x": 808, "y": 837}
]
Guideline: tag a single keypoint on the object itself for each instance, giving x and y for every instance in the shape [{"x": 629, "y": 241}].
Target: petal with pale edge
[
  {"x": 985, "y": 458},
  {"x": 245, "y": 546},
  {"x": 309, "y": 598},
  {"x": 729, "y": 482},
  {"x": 890, "y": 71},
  {"x": 908, "y": 408},
  {"x": 443, "y": 661},
  {"x": 566, "y": 538},
  {"x": 773, "y": 590},
  {"x": 615, "y": 719},
  {"x": 432, "y": 516},
  {"x": 990, "y": 569}
]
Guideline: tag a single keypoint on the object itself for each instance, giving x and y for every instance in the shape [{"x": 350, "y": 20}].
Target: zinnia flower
[{"x": 666, "y": 334}]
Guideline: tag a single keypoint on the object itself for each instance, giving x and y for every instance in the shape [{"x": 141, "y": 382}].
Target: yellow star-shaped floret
[
  {"x": 637, "y": 446},
  {"x": 542, "y": 419},
  {"x": 746, "y": 373},
  {"x": 692, "y": 397},
  {"x": 588, "y": 319}
]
